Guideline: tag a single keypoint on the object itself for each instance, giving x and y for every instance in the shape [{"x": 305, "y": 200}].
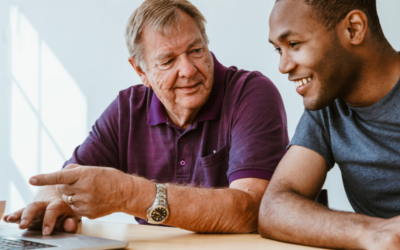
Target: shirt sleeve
[
  {"x": 101, "y": 146},
  {"x": 259, "y": 131},
  {"x": 310, "y": 133}
]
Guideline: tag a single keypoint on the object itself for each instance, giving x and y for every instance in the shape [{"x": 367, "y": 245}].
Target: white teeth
[{"x": 302, "y": 82}]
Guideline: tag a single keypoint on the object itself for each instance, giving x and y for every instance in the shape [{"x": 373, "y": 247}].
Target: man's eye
[
  {"x": 197, "y": 52},
  {"x": 293, "y": 44},
  {"x": 277, "y": 49},
  {"x": 167, "y": 63}
]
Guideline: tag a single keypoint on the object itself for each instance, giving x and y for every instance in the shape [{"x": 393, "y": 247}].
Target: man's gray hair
[{"x": 162, "y": 15}]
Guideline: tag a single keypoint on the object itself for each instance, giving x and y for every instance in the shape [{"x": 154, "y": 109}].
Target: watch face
[{"x": 159, "y": 214}]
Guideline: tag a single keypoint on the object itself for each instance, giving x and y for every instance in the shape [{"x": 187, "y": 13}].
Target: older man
[{"x": 194, "y": 125}]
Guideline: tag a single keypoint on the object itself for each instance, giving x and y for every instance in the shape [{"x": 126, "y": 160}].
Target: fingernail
[
  {"x": 46, "y": 231},
  {"x": 23, "y": 223},
  {"x": 33, "y": 181}
]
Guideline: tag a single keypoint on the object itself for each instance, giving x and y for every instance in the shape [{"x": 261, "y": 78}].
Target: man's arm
[
  {"x": 204, "y": 210},
  {"x": 288, "y": 211},
  {"x": 99, "y": 191}
]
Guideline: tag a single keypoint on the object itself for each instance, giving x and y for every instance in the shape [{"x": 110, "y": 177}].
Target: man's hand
[
  {"x": 45, "y": 215},
  {"x": 383, "y": 234},
  {"x": 95, "y": 191}
]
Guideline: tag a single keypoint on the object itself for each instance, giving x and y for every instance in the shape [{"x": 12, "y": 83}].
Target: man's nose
[
  {"x": 286, "y": 64},
  {"x": 186, "y": 67}
]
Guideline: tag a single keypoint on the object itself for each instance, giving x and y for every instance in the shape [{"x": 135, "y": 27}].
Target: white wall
[{"x": 63, "y": 62}]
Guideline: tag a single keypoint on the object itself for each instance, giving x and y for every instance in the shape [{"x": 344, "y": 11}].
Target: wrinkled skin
[
  {"x": 180, "y": 69},
  {"x": 96, "y": 191}
]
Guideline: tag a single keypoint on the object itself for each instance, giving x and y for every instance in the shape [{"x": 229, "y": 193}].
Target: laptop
[{"x": 11, "y": 238}]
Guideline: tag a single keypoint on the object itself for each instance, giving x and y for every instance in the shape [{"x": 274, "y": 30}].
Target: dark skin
[{"x": 346, "y": 62}]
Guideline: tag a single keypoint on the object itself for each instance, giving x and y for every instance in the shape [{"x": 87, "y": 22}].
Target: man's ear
[
  {"x": 139, "y": 71},
  {"x": 356, "y": 24}
]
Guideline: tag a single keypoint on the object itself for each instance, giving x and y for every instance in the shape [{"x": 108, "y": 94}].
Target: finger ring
[{"x": 70, "y": 200}]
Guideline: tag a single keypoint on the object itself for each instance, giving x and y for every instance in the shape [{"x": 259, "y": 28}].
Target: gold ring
[{"x": 70, "y": 200}]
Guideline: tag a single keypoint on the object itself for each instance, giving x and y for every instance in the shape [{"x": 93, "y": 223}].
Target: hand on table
[
  {"x": 385, "y": 235},
  {"x": 45, "y": 215},
  {"x": 95, "y": 191}
]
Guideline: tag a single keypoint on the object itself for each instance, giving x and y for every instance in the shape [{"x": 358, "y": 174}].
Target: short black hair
[{"x": 331, "y": 12}]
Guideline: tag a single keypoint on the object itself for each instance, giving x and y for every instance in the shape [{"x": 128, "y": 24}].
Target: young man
[
  {"x": 336, "y": 55},
  {"x": 218, "y": 132}
]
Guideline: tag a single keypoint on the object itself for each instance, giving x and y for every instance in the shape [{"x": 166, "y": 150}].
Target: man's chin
[
  {"x": 315, "y": 103},
  {"x": 193, "y": 103}
]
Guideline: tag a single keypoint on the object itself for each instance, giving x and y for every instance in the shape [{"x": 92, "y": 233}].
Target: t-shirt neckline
[{"x": 375, "y": 110}]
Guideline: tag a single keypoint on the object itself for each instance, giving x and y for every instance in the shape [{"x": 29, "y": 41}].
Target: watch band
[
  {"x": 159, "y": 211},
  {"x": 161, "y": 196}
]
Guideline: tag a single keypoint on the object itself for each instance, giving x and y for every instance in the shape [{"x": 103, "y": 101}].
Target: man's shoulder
[
  {"x": 233, "y": 76},
  {"x": 239, "y": 82},
  {"x": 136, "y": 98},
  {"x": 135, "y": 91},
  {"x": 250, "y": 95}
]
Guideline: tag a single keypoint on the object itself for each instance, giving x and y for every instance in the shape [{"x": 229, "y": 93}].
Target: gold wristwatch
[{"x": 159, "y": 212}]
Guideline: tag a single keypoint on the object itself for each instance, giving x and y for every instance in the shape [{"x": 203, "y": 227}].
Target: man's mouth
[
  {"x": 301, "y": 84},
  {"x": 303, "y": 81},
  {"x": 190, "y": 88}
]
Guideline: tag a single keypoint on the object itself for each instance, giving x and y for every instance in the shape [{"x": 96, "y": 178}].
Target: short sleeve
[
  {"x": 312, "y": 135},
  {"x": 259, "y": 130},
  {"x": 101, "y": 146}
]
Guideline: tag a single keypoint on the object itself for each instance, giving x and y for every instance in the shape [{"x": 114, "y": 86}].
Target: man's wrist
[
  {"x": 139, "y": 196},
  {"x": 367, "y": 231}
]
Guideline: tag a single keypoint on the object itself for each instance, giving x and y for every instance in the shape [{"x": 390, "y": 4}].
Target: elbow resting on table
[{"x": 267, "y": 216}]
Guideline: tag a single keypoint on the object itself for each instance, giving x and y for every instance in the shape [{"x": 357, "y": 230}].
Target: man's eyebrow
[
  {"x": 164, "y": 56},
  {"x": 198, "y": 40},
  {"x": 170, "y": 54},
  {"x": 284, "y": 35}
]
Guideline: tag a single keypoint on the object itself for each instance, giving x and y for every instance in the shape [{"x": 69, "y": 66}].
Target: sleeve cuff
[{"x": 251, "y": 173}]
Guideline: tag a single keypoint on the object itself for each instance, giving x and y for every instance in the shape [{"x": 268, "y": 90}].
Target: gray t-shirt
[{"x": 365, "y": 143}]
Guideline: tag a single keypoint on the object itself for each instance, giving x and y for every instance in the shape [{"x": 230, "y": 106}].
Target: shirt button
[
  {"x": 182, "y": 139},
  {"x": 183, "y": 163}
]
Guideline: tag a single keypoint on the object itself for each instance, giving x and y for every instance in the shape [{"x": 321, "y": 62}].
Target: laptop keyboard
[{"x": 8, "y": 243}]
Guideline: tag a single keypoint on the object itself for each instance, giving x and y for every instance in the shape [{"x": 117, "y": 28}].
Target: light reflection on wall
[{"x": 48, "y": 109}]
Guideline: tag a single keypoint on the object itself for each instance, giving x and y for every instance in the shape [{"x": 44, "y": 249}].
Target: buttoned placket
[{"x": 184, "y": 155}]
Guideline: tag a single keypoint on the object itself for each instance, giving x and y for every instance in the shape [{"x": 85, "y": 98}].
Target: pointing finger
[
  {"x": 68, "y": 176},
  {"x": 71, "y": 166}
]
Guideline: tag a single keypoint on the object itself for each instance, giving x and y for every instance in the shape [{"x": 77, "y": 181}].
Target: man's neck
[
  {"x": 379, "y": 73},
  {"x": 182, "y": 118}
]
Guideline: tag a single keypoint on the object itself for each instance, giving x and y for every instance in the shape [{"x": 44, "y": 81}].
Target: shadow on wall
[{"x": 40, "y": 96}]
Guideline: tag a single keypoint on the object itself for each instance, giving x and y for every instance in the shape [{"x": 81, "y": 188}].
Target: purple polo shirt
[{"x": 240, "y": 132}]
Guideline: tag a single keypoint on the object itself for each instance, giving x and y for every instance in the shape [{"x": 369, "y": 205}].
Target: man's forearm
[
  {"x": 288, "y": 216},
  {"x": 200, "y": 210}
]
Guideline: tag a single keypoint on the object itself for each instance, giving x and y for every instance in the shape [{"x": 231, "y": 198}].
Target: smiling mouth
[
  {"x": 302, "y": 82},
  {"x": 190, "y": 88}
]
